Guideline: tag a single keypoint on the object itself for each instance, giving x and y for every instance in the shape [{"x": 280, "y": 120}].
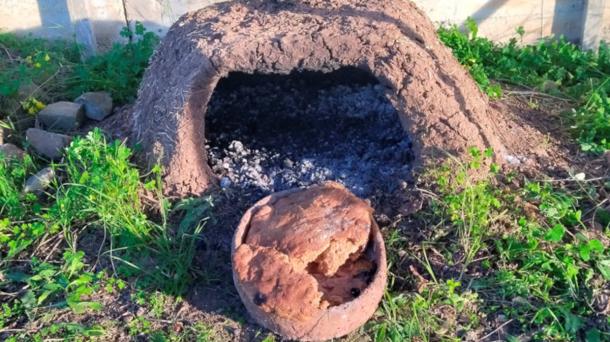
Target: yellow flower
[
  {"x": 32, "y": 106},
  {"x": 39, "y": 105}
]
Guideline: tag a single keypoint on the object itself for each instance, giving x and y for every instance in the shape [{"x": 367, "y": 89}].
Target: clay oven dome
[{"x": 439, "y": 104}]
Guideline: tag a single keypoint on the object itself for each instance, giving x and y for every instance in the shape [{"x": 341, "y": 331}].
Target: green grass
[
  {"x": 535, "y": 254},
  {"x": 552, "y": 66},
  {"x": 148, "y": 247},
  {"x": 98, "y": 192}
]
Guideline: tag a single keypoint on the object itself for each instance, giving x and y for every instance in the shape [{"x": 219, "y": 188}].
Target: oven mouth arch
[{"x": 271, "y": 132}]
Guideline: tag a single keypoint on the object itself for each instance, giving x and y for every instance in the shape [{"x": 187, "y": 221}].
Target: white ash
[{"x": 276, "y": 135}]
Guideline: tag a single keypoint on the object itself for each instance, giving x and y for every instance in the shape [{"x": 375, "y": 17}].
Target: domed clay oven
[{"x": 437, "y": 101}]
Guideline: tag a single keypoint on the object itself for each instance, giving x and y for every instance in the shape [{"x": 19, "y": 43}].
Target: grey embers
[{"x": 277, "y": 135}]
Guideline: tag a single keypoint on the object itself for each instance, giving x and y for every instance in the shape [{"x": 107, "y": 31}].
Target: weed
[
  {"x": 269, "y": 338},
  {"x": 102, "y": 188},
  {"x": 438, "y": 312},
  {"x": 198, "y": 332},
  {"x": 140, "y": 326},
  {"x": 553, "y": 66},
  {"x": 119, "y": 70},
  {"x": 100, "y": 182},
  {"x": 469, "y": 206},
  {"x": 114, "y": 285},
  {"x": 97, "y": 189},
  {"x": 13, "y": 203},
  {"x": 31, "y": 69},
  {"x": 527, "y": 253},
  {"x": 61, "y": 331},
  {"x": 549, "y": 268},
  {"x": 62, "y": 286},
  {"x": 35, "y": 71}
]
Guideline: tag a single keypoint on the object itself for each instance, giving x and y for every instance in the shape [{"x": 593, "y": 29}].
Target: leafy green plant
[
  {"x": 13, "y": 174},
  {"x": 27, "y": 66},
  {"x": 101, "y": 183},
  {"x": 551, "y": 267},
  {"x": 552, "y": 66},
  {"x": 97, "y": 188},
  {"x": 424, "y": 316},
  {"x": 469, "y": 206},
  {"x": 102, "y": 188},
  {"x": 526, "y": 250},
  {"x": 119, "y": 70},
  {"x": 60, "y": 286}
]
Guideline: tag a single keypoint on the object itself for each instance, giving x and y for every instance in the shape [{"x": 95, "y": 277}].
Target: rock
[
  {"x": 40, "y": 181},
  {"x": 288, "y": 163},
  {"x": 97, "y": 105},
  {"x": 62, "y": 116},
  {"x": 238, "y": 147},
  {"x": 11, "y": 151},
  {"x": 47, "y": 144},
  {"x": 225, "y": 182}
]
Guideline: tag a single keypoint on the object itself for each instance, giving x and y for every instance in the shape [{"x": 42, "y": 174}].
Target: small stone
[
  {"x": 288, "y": 163},
  {"x": 512, "y": 160},
  {"x": 237, "y": 146},
  {"x": 62, "y": 116},
  {"x": 225, "y": 182},
  {"x": 47, "y": 144},
  {"x": 98, "y": 105},
  {"x": 11, "y": 151},
  {"x": 40, "y": 181}
]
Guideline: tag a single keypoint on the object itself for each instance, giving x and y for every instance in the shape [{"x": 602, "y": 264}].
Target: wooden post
[
  {"x": 593, "y": 21},
  {"x": 83, "y": 29}
]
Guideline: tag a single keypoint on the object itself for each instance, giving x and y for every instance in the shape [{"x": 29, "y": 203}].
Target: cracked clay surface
[{"x": 392, "y": 40}]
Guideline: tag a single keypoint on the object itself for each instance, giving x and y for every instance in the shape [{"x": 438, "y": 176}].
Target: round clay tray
[{"x": 336, "y": 321}]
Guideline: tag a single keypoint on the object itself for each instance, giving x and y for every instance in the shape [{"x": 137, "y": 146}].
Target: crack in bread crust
[{"x": 305, "y": 252}]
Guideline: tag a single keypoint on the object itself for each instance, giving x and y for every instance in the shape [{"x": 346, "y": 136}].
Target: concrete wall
[
  {"x": 498, "y": 19},
  {"x": 595, "y": 22}
]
